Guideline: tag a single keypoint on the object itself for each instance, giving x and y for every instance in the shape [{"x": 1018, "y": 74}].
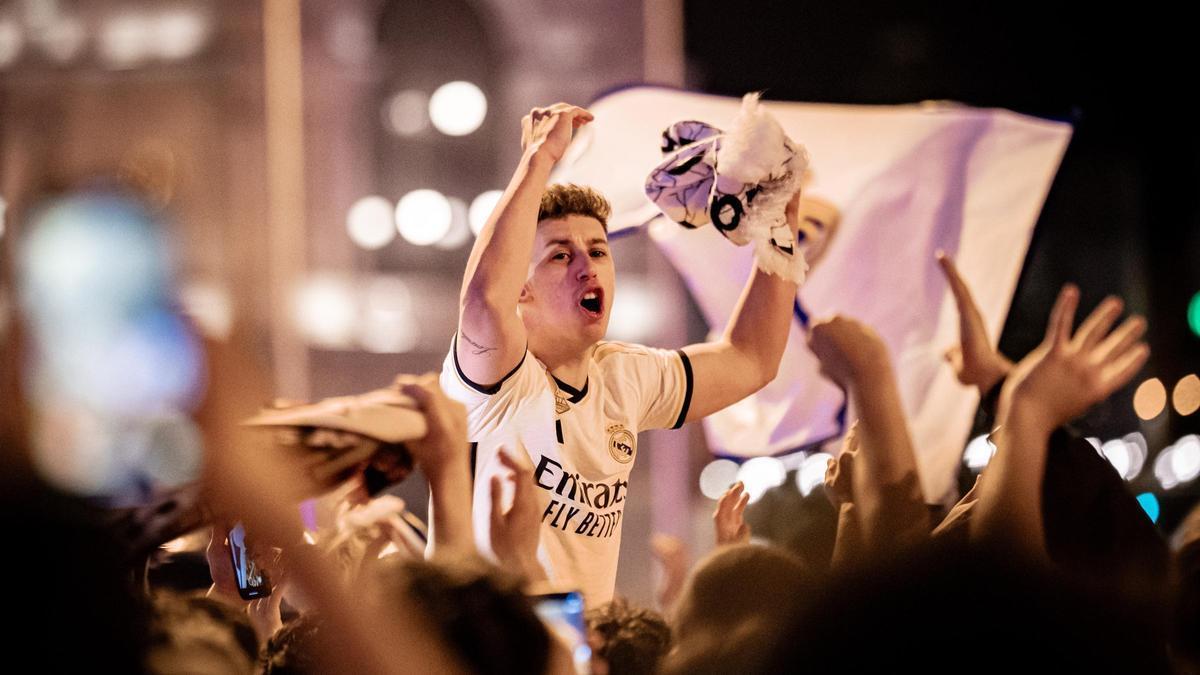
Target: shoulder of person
[{"x": 607, "y": 350}]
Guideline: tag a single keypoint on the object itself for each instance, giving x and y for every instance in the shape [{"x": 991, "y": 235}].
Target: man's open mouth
[{"x": 592, "y": 302}]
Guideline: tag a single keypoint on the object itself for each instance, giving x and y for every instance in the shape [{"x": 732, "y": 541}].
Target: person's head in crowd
[
  {"x": 805, "y": 525},
  {"x": 740, "y": 649},
  {"x": 731, "y": 603},
  {"x": 945, "y": 609},
  {"x": 293, "y": 648},
  {"x": 195, "y": 634},
  {"x": 626, "y": 640},
  {"x": 480, "y": 611}
]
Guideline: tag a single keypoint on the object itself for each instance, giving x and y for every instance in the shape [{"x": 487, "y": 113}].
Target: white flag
[{"x": 908, "y": 180}]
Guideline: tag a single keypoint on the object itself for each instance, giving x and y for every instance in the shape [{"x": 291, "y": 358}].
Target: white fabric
[
  {"x": 583, "y": 481},
  {"x": 908, "y": 180}
]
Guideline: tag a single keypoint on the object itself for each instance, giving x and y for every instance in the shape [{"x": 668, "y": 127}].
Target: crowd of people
[{"x": 527, "y": 438}]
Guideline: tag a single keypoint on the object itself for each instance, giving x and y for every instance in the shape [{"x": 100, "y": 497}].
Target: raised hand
[
  {"x": 264, "y": 613},
  {"x": 672, "y": 556},
  {"x": 847, "y": 349},
  {"x": 549, "y": 130},
  {"x": 444, "y": 456},
  {"x": 1067, "y": 374},
  {"x": 515, "y": 530},
  {"x": 839, "y": 475},
  {"x": 446, "y": 440},
  {"x": 731, "y": 527},
  {"x": 976, "y": 363}
]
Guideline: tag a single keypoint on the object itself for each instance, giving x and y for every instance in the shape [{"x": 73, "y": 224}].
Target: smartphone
[
  {"x": 563, "y": 614},
  {"x": 252, "y": 581}
]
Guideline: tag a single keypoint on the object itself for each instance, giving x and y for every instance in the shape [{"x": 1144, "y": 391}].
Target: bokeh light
[
  {"x": 179, "y": 32},
  {"x": 1139, "y": 450},
  {"x": 1193, "y": 313},
  {"x": 1117, "y": 453},
  {"x": 1186, "y": 397},
  {"x": 812, "y": 472},
  {"x": 325, "y": 311},
  {"x": 978, "y": 453},
  {"x": 210, "y": 306},
  {"x": 457, "y": 108},
  {"x": 389, "y": 325},
  {"x": 482, "y": 207},
  {"x": 1185, "y": 458},
  {"x": 459, "y": 232},
  {"x": 126, "y": 40},
  {"x": 171, "y": 451},
  {"x": 406, "y": 113},
  {"x": 91, "y": 258},
  {"x": 1150, "y": 399},
  {"x": 1149, "y": 504},
  {"x": 63, "y": 39},
  {"x": 716, "y": 477},
  {"x": 1164, "y": 471},
  {"x": 761, "y": 474},
  {"x": 424, "y": 216},
  {"x": 370, "y": 223}
]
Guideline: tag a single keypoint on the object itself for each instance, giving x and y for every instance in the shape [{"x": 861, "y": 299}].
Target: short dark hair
[
  {"x": 634, "y": 639},
  {"x": 292, "y": 650},
  {"x": 188, "y": 630},
  {"x": 477, "y": 608},
  {"x": 561, "y": 200}
]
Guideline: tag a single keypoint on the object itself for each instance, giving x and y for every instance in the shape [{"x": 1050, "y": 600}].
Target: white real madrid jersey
[{"x": 581, "y": 443}]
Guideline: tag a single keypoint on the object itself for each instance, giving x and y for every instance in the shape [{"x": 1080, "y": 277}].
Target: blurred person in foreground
[
  {"x": 529, "y": 362},
  {"x": 478, "y": 611}
]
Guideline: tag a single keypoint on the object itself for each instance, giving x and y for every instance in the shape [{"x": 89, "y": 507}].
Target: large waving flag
[{"x": 908, "y": 180}]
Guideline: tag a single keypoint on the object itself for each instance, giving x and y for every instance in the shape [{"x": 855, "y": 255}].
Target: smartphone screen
[
  {"x": 252, "y": 581},
  {"x": 563, "y": 614}
]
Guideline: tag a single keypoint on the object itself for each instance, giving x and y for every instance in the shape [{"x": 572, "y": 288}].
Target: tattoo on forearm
[{"x": 477, "y": 349}]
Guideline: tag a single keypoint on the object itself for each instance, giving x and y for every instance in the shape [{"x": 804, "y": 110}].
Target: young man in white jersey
[{"x": 529, "y": 363}]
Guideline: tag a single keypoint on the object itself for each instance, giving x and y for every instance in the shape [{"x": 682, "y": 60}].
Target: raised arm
[
  {"x": 515, "y": 530},
  {"x": 491, "y": 338},
  {"x": 444, "y": 455},
  {"x": 975, "y": 361},
  {"x": 1053, "y": 384},
  {"x": 885, "y": 488},
  {"x": 747, "y": 357}
]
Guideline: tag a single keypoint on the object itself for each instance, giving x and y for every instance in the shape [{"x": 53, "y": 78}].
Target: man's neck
[{"x": 570, "y": 368}]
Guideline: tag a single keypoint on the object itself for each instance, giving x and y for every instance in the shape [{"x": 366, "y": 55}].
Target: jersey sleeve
[
  {"x": 660, "y": 380},
  {"x": 489, "y": 405}
]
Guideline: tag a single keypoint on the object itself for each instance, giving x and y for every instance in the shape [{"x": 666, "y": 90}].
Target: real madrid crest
[
  {"x": 560, "y": 403},
  {"x": 621, "y": 444}
]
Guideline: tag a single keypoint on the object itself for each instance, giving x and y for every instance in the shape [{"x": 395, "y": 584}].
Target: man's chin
[{"x": 596, "y": 331}]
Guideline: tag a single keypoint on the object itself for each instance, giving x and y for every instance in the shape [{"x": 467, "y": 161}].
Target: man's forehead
[{"x": 573, "y": 228}]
